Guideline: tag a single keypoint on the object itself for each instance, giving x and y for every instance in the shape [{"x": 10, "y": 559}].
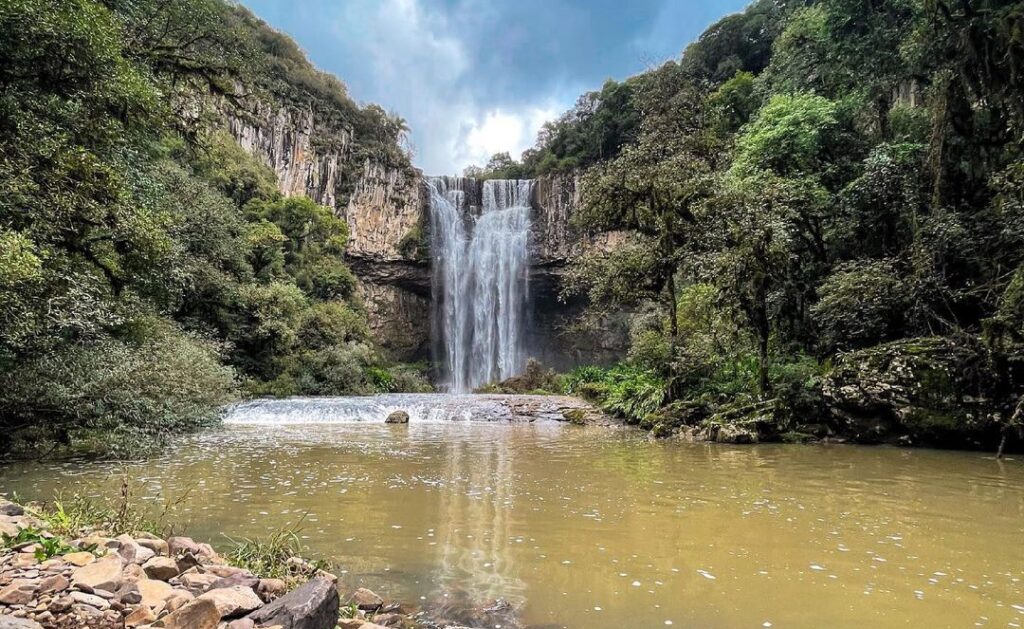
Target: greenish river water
[{"x": 597, "y": 527}]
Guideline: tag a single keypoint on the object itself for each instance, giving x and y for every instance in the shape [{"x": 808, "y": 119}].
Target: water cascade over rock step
[
  {"x": 420, "y": 407},
  {"x": 480, "y": 232}
]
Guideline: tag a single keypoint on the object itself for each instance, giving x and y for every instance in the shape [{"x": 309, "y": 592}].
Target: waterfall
[{"x": 481, "y": 258}]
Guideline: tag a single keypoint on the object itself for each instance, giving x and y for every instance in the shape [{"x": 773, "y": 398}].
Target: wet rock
[
  {"x": 398, "y": 417},
  {"x": 161, "y": 568},
  {"x": 104, "y": 573},
  {"x": 313, "y": 605},
  {"x": 233, "y": 601},
  {"x": 270, "y": 589},
  {"x": 367, "y": 600},
  {"x": 19, "y": 592},
  {"x": 199, "y": 614}
]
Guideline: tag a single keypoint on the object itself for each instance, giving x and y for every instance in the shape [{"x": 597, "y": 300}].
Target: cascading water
[{"x": 480, "y": 278}]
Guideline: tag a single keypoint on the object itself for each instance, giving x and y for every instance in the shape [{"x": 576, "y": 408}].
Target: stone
[
  {"x": 178, "y": 599},
  {"x": 180, "y": 545},
  {"x": 25, "y": 560},
  {"x": 158, "y": 546},
  {"x": 8, "y": 622},
  {"x": 241, "y": 623},
  {"x": 270, "y": 589},
  {"x": 161, "y": 568},
  {"x": 131, "y": 551},
  {"x": 152, "y": 593},
  {"x": 248, "y": 581},
  {"x": 398, "y": 417},
  {"x": 197, "y": 583},
  {"x": 233, "y": 601},
  {"x": 227, "y": 571},
  {"x": 141, "y": 615},
  {"x": 90, "y": 599},
  {"x": 11, "y": 509},
  {"x": 389, "y": 620},
  {"x": 80, "y": 558},
  {"x": 198, "y": 614},
  {"x": 313, "y": 605},
  {"x": 104, "y": 573},
  {"x": 55, "y": 583},
  {"x": 367, "y": 600},
  {"x": 19, "y": 592},
  {"x": 8, "y": 528}
]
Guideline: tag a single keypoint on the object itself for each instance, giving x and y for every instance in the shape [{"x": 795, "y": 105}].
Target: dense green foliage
[
  {"x": 149, "y": 270},
  {"x": 811, "y": 178}
]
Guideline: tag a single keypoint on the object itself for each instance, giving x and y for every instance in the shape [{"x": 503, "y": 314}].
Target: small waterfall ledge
[
  {"x": 422, "y": 408},
  {"x": 480, "y": 234}
]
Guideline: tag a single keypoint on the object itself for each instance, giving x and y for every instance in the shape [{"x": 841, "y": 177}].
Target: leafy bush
[
  {"x": 116, "y": 396},
  {"x": 861, "y": 304}
]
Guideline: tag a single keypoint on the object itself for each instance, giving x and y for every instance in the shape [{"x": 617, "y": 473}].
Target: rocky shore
[{"x": 91, "y": 581}]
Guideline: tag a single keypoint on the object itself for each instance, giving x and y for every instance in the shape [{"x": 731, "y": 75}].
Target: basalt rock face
[
  {"x": 383, "y": 206},
  {"x": 283, "y": 138},
  {"x": 554, "y": 243}
]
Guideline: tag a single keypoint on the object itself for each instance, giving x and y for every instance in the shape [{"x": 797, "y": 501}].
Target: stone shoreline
[{"x": 142, "y": 581}]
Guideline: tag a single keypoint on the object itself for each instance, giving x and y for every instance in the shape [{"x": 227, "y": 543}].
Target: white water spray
[{"x": 480, "y": 278}]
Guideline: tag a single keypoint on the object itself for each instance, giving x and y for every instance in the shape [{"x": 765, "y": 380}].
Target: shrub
[{"x": 134, "y": 393}]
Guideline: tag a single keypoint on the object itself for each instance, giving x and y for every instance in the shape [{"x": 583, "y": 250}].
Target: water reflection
[{"x": 598, "y": 528}]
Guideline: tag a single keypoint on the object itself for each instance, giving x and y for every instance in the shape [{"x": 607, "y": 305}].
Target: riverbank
[{"x": 57, "y": 574}]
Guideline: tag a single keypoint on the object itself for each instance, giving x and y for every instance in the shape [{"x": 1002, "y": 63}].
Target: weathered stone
[
  {"x": 270, "y": 589},
  {"x": 80, "y": 558},
  {"x": 227, "y": 571},
  {"x": 178, "y": 599},
  {"x": 158, "y": 546},
  {"x": 241, "y": 623},
  {"x": 197, "y": 583},
  {"x": 314, "y": 605},
  {"x": 244, "y": 580},
  {"x": 19, "y": 592},
  {"x": 133, "y": 552},
  {"x": 153, "y": 593},
  {"x": 367, "y": 600},
  {"x": 198, "y": 614},
  {"x": 141, "y": 615},
  {"x": 54, "y": 583},
  {"x": 397, "y": 417},
  {"x": 161, "y": 568},
  {"x": 178, "y": 545},
  {"x": 11, "y": 509},
  {"x": 90, "y": 599},
  {"x": 9, "y": 622},
  {"x": 233, "y": 601},
  {"x": 104, "y": 573},
  {"x": 25, "y": 560}
]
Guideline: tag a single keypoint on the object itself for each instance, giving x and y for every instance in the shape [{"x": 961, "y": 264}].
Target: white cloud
[{"x": 413, "y": 62}]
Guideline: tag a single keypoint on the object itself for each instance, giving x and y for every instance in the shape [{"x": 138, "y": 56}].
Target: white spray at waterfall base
[{"x": 480, "y": 279}]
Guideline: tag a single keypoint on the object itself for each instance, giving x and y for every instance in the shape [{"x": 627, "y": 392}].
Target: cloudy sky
[{"x": 475, "y": 77}]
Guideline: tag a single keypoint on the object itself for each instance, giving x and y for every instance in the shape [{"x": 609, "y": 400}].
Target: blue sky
[{"x": 475, "y": 77}]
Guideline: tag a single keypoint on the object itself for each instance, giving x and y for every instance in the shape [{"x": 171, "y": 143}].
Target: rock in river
[{"x": 398, "y": 417}]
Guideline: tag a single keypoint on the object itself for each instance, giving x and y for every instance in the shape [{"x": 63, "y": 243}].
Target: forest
[
  {"x": 826, "y": 209},
  {"x": 150, "y": 271}
]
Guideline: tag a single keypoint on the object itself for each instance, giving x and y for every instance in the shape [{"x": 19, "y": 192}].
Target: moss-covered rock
[{"x": 935, "y": 391}]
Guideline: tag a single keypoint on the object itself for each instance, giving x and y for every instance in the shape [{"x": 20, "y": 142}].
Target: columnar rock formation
[{"x": 387, "y": 211}]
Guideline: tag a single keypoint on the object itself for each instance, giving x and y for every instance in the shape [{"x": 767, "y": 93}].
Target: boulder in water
[{"x": 398, "y": 417}]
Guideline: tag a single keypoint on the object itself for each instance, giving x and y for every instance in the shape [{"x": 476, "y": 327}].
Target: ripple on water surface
[{"x": 588, "y": 528}]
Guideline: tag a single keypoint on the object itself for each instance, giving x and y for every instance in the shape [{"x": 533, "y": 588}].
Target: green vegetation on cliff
[
  {"x": 149, "y": 269},
  {"x": 810, "y": 180}
]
